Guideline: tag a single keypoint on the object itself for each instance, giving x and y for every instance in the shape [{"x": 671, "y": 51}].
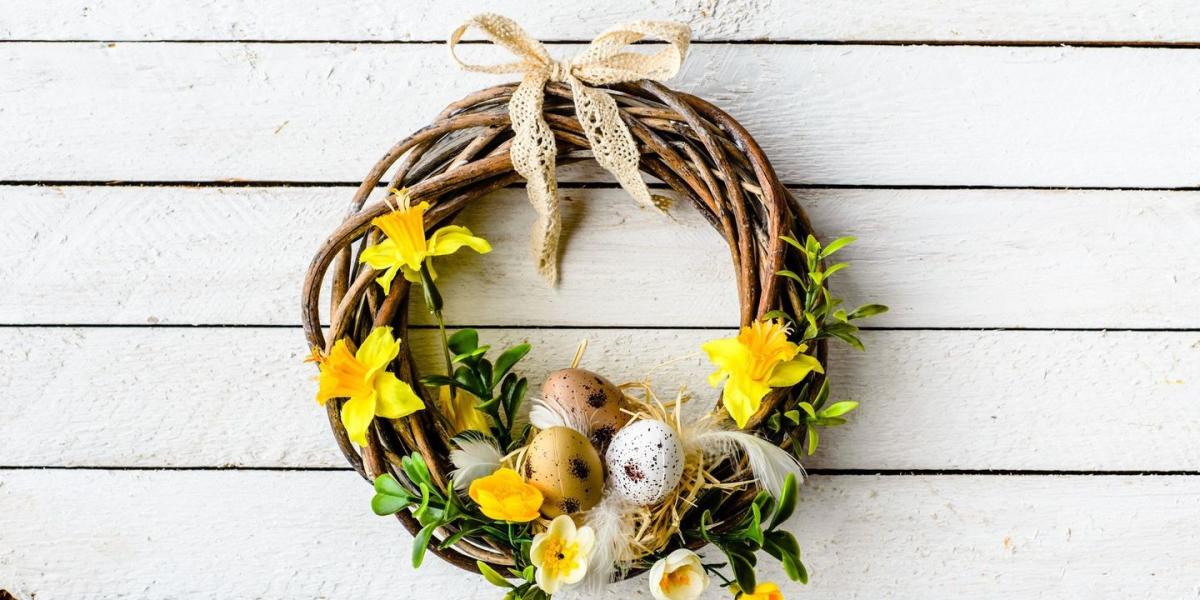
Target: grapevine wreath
[{"x": 579, "y": 483}]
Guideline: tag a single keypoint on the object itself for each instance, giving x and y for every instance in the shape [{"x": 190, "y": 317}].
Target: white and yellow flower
[
  {"x": 560, "y": 554},
  {"x": 679, "y": 576}
]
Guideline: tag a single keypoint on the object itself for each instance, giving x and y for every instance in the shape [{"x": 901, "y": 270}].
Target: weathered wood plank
[
  {"x": 1002, "y": 400},
  {"x": 846, "y": 115},
  {"x": 819, "y": 20},
  {"x": 939, "y": 258},
  {"x": 98, "y": 534}
]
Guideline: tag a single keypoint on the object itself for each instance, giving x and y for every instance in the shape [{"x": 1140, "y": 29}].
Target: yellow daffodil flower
[
  {"x": 679, "y": 576},
  {"x": 759, "y": 358},
  {"x": 560, "y": 554},
  {"x": 763, "y": 591},
  {"x": 504, "y": 496},
  {"x": 406, "y": 247},
  {"x": 461, "y": 411},
  {"x": 363, "y": 378}
]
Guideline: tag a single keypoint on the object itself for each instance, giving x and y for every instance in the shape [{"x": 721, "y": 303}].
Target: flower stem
[{"x": 433, "y": 301}]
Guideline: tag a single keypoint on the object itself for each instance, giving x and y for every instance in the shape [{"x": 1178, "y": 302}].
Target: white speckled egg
[{"x": 645, "y": 462}]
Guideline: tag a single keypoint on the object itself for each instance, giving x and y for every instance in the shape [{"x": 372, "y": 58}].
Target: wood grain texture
[
  {"x": 756, "y": 20},
  {"x": 1000, "y": 400},
  {"x": 846, "y": 115},
  {"x": 146, "y": 535},
  {"x": 939, "y": 258}
]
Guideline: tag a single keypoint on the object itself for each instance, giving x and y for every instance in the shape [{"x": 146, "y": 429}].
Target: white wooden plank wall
[{"x": 1024, "y": 178}]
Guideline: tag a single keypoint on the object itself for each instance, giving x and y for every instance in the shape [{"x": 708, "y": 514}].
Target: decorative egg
[
  {"x": 564, "y": 466},
  {"x": 645, "y": 462},
  {"x": 587, "y": 398}
]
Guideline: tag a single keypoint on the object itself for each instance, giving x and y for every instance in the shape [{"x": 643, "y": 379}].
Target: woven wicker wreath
[{"x": 685, "y": 142}]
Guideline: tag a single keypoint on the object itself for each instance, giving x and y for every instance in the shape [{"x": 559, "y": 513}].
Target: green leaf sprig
[
  {"x": 742, "y": 543},
  {"x": 436, "y": 508},
  {"x": 500, "y": 391}
]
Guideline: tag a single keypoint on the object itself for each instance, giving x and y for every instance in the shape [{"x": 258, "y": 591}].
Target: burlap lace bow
[{"x": 603, "y": 62}]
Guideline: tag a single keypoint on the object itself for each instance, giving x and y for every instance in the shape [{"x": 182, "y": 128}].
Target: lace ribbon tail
[
  {"x": 612, "y": 143},
  {"x": 533, "y": 155}
]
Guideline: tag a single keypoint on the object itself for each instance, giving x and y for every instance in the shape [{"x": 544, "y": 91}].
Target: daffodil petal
[
  {"x": 727, "y": 353},
  {"x": 357, "y": 414},
  {"x": 385, "y": 280},
  {"x": 381, "y": 255},
  {"x": 378, "y": 349},
  {"x": 396, "y": 399},
  {"x": 792, "y": 372},
  {"x": 742, "y": 398},
  {"x": 451, "y": 238}
]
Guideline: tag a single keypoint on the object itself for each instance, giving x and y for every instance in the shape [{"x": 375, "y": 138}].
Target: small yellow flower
[
  {"x": 363, "y": 378},
  {"x": 763, "y": 591},
  {"x": 759, "y": 358},
  {"x": 561, "y": 554},
  {"x": 679, "y": 576},
  {"x": 504, "y": 496},
  {"x": 406, "y": 247},
  {"x": 461, "y": 412}
]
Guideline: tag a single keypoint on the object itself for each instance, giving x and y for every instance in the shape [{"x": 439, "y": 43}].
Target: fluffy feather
[
  {"x": 474, "y": 456},
  {"x": 613, "y": 550},
  {"x": 769, "y": 463},
  {"x": 545, "y": 415}
]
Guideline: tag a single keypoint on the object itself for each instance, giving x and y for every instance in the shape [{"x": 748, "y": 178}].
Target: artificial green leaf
[
  {"x": 840, "y": 315},
  {"x": 836, "y": 245},
  {"x": 822, "y": 394},
  {"x": 387, "y": 504},
  {"x": 802, "y": 573},
  {"x": 812, "y": 245},
  {"x": 786, "y": 503},
  {"x": 794, "y": 242},
  {"x": 814, "y": 438},
  {"x": 386, "y": 484},
  {"x": 773, "y": 422},
  {"x": 849, "y": 338},
  {"x": 816, "y": 276},
  {"x": 456, "y": 536},
  {"x": 753, "y": 530},
  {"x": 778, "y": 314},
  {"x": 492, "y": 576},
  {"x": 868, "y": 310},
  {"x": 838, "y": 409},
  {"x": 834, "y": 269},
  {"x": 828, "y": 421},
  {"x": 790, "y": 275},
  {"x": 473, "y": 353},
  {"x": 433, "y": 298},
  {"x": 416, "y": 470},
  {"x": 793, "y": 416},
  {"x": 528, "y": 573},
  {"x": 463, "y": 341},
  {"x": 743, "y": 571},
  {"x": 421, "y": 543},
  {"x": 808, "y": 409},
  {"x": 507, "y": 359},
  {"x": 705, "y": 524},
  {"x": 436, "y": 381}
]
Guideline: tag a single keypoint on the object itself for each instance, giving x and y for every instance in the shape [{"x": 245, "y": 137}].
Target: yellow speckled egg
[
  {"x": 590, "y": 398},
  {"x": 565, "y": 467}
]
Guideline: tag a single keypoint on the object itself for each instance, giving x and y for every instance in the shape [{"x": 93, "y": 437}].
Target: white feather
[
  {"x": 475, "y": 456},
  {"x": 545, "y": 415},
  {"x": 613, "y": 550},
  {"x": 769, "y": 463}
]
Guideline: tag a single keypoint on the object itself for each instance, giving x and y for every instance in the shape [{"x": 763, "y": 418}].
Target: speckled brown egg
[
  {"x": 590, "y": 398},
  {"x": 565, "y": 467}
]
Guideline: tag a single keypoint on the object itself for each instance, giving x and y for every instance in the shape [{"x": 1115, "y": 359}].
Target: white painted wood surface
[
  {"x": 846, "y": 115},
  {"x": 242, "y": 397},
  {"x": 941, "y": 258},
  {"x": 89, "y": 534},
  {"x": 753, "y": 20},
  {"x": 1006, "y": 429}
]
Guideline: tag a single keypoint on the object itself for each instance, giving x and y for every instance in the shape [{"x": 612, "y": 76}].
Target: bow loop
[{"x": 604, "y": 62}]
